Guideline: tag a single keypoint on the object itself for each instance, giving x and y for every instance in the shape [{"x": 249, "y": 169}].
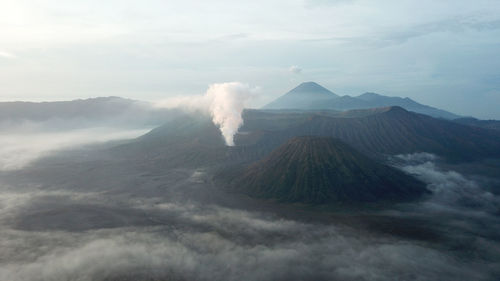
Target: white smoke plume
[
  {"x": 223, "y": 101},
  {"x": 227, "y": 101}
]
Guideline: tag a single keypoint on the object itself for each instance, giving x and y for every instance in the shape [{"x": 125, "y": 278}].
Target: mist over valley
[
  {"x": 297, "y": 140},
  {"x": 369, "y": 194}
]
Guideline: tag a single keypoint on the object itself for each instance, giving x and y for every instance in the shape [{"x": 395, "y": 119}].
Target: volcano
[
  {"x": 325, "y": 170},
  {"x": 304, "y": 96}
]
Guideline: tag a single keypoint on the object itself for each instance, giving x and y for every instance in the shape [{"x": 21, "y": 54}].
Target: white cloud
[
  {"x": 8, "y": 55},
  {"x": 80, "y": 49},
  {"x": 295, "y": 69},
  {"x": 450, "y": 188},
  {"x": 197, "y": 241},
  {"x": 20, "y": 149}
]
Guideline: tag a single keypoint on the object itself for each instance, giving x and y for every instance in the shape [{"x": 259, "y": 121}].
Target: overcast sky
[{"x": 442, "y": 53}]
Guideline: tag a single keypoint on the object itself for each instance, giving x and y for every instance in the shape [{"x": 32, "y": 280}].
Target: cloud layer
[
  {"x": 224, "y": 244},
  {"x": 20, "y": 149},
  {"x": 172, "y": 226}
]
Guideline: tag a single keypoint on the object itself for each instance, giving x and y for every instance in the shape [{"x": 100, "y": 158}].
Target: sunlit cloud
[{"x": 7, "y": 55}]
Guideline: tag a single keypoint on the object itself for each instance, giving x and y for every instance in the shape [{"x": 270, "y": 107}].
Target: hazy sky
[{"x": 441, "y": 53}]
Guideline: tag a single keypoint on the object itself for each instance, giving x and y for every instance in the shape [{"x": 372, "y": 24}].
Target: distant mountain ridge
[
  {"x": 486, "y": 124},
  {"x": 97, "y": 111},
  {"x": 315, "y": 97},
  {"x": 99, "y": 107},
  {"x": 394, "y": 130}
]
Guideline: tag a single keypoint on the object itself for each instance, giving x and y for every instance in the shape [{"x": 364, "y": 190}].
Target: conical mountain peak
[
  {"x": 326, "y": 170},
  {"x": 305, "y": 94},
  {"x": 311, "y": 88}
]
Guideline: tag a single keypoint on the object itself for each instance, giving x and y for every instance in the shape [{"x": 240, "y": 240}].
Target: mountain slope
[
  {"x": 304, "y": 96},
  {"x": 311, "y": 96},
  {"x": 376, "y": 100},
  {"x": 195, "y": 141},
  {"x": 343, "y": 103},
  {"x": 487, "y": 124},
  {"x": 93, "y": 110},
  {"x": 185, "y": 141},
  {"x": 324, "y": 170},
  {"x": 377, "y": 132},
  {"x": 396, "y": 131}
]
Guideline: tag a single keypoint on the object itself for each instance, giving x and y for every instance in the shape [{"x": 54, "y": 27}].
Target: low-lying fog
[
  {"x": 80, "y": 214},
  {"x": 21, "y": 143}
]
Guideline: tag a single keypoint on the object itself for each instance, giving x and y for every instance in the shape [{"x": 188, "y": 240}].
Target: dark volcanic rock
[
  {"x": 325, "y": 170},
  {"x": 486, "y": 124},
  {"x": 394, "y": 130}
]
